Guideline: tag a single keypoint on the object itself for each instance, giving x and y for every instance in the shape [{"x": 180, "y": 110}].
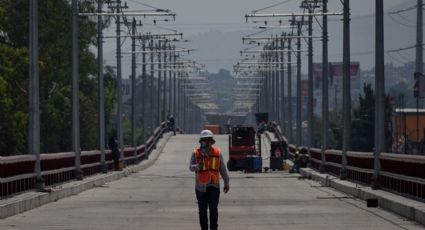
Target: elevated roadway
[{"x": 162, "y": 197}]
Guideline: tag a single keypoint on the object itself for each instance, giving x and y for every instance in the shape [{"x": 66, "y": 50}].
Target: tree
[
  {"x": 363, "y": 122},
  {"x": 55, "y": 76},
  {"x": 13, "y": 119}
]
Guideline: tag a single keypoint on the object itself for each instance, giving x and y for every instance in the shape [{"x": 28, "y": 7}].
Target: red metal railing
[
  {"x": 17, "y": 172},
  {"x": 401, "y": 174}
]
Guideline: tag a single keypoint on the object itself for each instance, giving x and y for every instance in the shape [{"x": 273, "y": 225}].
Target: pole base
[
  {"x": 78, "y": 174},
  {"x": 103, "y": 168},
  {"x": 375, "y": 182},
  {"x": 343, "y": 174},
  {"x": 39, "y": 184},
  {"x": 322, "y": 168}
]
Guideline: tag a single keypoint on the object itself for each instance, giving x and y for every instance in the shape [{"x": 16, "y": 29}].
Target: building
[{"x": 409, "y": 123}]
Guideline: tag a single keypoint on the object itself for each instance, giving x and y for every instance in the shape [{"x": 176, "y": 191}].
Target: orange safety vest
[{"x": 211, "y": 166}]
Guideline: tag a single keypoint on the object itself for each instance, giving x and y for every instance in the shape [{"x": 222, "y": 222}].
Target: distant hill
[
  {"x": 220, "y": 50},
  {"x": 221, "y": 84}
]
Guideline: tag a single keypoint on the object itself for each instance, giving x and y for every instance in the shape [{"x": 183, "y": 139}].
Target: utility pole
[
  {"x": 164, "y": 92},
  {"x": 174, "y": 86},
  {"x": 419, "y": 37},
  {"x": 75, "y": 93},
  {"x": 419, "y": 57},
  {"x": 184, "y": 97},
  {"x": 152, "y": 68},
  {"x": 272, "y": 83},
  {"x": 346, "y": 90},
  {"x": 178, "y": 100},
  {"x": 34, "y": 95},
  {"x": 282, "y": 83},
  {"x": 289, "y": 91},
  {"x": 158, "y": 99},
  {"x": 325, "y": 73},
  {"x": 119, "y": 83},
  {"x": 101, "y": 92},
  {"x": 379, "y": 92},
  {"x": 170, "y": 80},
  {"x": 144, "y": 84},
  {"x": 133, "y": 86},
  {"x": 310, "y": 80},
  {"x": 277, "y": 83},
  {"x": 266, "y": 86},
  {"x": 299, "y": 101}
]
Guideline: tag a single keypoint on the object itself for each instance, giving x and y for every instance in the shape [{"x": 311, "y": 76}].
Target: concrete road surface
[{"x": 162, "y": 197}]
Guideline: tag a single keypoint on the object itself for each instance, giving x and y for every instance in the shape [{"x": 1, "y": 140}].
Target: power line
[
  {"x": 144, "y": 4},
  {"x": 271, "y": 6},
  {"x": 404, "y": 10},
  {"x": 401, "y": 49},
  {"x": 395, "y": 59},
  {"x": 398, "y": 22}
]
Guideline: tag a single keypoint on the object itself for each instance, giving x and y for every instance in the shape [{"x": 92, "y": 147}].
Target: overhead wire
[
  {"x": 404, "y": 10},
  {"x": 271, "y": 6},
  {"x": 144, "y": 4}
]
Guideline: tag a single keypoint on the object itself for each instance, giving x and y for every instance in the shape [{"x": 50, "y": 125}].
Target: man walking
[{"x": 208, "y": 164}]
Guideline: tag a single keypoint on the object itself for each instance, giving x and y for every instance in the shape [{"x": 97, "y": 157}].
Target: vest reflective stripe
[
  {"x": 214, "y": 163},
  {"x": 211, "y": 166}
]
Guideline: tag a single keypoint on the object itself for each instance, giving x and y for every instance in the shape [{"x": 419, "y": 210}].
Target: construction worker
[
  {"x": 295, "y": 159},
  {"x": 208, "y": 164}
]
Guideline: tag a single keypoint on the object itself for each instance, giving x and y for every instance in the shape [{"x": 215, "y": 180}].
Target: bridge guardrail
[
  {"x": 401, "y": 174},
  {"x": 17, "y": 172}
]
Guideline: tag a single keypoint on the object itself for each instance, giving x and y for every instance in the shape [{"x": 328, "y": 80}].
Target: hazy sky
[
  {"x": 199, "y": 18},
  {"x": 194, "y": 16}
]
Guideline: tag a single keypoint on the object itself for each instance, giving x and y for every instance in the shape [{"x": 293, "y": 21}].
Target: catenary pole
[
  {"x": 299, "y": 101},
  {"x": 379, "y": 92},
  {"x": 158, "y": 99},
  {"x": 101, "y": 92},
  {"x": 119, "y": 83},
  {"x": 34, "y": 95},
  {"x": 282, "y": 84},
  {"x": 289, "y": 91},
  {"x": 151, "y": 84},
  {"x": 133, "y": 87},
  {"x": 144, "y": 85},
  {"x": 75, "y": 93},
  {"x": 310, "y": 81},
  {"x": 419, "y": 37},
  {"x": 170, "y": 82},
  {"x": 346, "y": 90},
  {"x": 325, "y": 73},
  {"x": 419, "y": 56}
]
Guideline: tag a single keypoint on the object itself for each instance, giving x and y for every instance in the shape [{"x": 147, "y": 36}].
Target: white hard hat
[{"x": 206, "y": 134}]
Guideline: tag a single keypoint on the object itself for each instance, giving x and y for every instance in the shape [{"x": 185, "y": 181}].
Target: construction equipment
[
  {"x": 244, "y": 150},
  {"x": 215, "y": 129}
]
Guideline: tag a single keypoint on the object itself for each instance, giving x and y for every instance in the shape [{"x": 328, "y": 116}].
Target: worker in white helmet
[{"x": 208, "y": 164}]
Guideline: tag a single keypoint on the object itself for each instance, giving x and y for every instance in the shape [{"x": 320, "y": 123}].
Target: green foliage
[
  {"x": 362, "y": 127},
  {"x": 55, "y": 76},
  {"x": 13, "y": 100},
  {"x": 335, "y": 135},
  {"x": 363, "y": 122}
]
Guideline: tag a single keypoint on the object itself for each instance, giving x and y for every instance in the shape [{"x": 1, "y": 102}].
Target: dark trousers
[{"x": 208, "y": 199}]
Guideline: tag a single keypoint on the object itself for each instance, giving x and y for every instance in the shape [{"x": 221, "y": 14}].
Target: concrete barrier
[
  {"x": 30, "y": 200},
  {"x": 411, "y": 209}
]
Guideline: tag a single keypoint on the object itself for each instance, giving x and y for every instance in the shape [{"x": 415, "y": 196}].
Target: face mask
[{"x": 203, "y": 145}]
